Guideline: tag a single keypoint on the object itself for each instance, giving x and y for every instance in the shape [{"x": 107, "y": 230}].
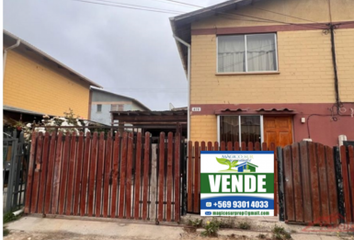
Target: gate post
[
  {"x": 339, "y": 183},
  {"x": 281, "y": 184},
  {"x": 183, "y": 170},
  {"x": 153, "y": 183}
]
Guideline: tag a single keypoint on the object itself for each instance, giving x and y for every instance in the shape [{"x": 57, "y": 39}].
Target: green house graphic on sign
[{"x": 246, "y": 167}]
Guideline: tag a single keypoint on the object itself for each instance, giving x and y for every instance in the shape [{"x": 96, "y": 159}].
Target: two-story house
[
  {"x": 36, "y": 84},
  {"x": 269, "y": 70}
]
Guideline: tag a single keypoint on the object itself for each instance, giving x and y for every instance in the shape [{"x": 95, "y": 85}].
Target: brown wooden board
[
  {"x": 92, "y": 174},
  {"x": 57, "y": 173},
  {"x": 346, "y": 187},
  {"x": 197, "y": 177},
  {"x": 272, "y": 148},
  {"x": 306, "y": 183},
  {"x": 161, "y": 178},
  {"x": 210, "y": 146},
  {"x": 314, "y": 183},
  {"x": 229, "y": 146},
  {"x": 190, "y": 177},
  {"x": 299, "y": 210},
  {"x": 323, "y": 183},
  {"x": 288, "y": 184},
  {"x": 36, "y": 177},
  {"x": 223, "y": 146},
  {"x": 116, "y": 155},
  {"x": 332, "y": 186},
  {"x": 128, "y": 190},
  {"x": 216, "y": 146},
  {"x": 123, "y": 170},
  {"x": 71, "y": 172},
  {"x": 107, "y": 174},
  {"x": 64, "y": 174},
  {"x": 30, "y": 174},
  {"x": 351, "y": 178},
  {"x": 44, "y": 164},
  {"x": 250, "y": 146},
  {"x": 85, "y": 175},
  {"x": 177, "y": 177},
  {"x": 78, "y": 174},
  {"x": 49, "y": 181},
  {"x": 243, "y": 146},
  {"x": 169, "y": 182},
  {"x": 146, "y": 174},
  {"x": 137, "y": 174},
  {"x": 264, "y": 146},
  {"x": 99, "y": 175},
  {"x": 236, "y": 146},
  {"x": 257, "y": 147}
]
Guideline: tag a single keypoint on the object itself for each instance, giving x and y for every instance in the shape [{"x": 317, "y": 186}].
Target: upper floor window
[
  {"x": 247, "y": 53},
  {"x": 99, "y": 107},
  {"x": 117, "y": 107}
]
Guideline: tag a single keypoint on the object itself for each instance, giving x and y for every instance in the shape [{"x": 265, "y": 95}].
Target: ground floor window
[{"x": 240, "y": 128}]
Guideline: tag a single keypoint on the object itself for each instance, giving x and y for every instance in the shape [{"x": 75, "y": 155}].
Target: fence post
[
  {"x": 280, "y": 184},
  {"x": 153, "y": 182},
  {"x": 12, "y": 175}
]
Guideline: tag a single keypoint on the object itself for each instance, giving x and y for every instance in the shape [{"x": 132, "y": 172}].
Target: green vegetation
[
  {"x": 279, "y": 233},
  {"x": 211, "y": 228},
  {"x": 244, "y": 225}
]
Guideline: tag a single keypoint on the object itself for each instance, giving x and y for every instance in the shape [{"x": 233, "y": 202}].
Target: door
[{"x": 278, "y": 130}]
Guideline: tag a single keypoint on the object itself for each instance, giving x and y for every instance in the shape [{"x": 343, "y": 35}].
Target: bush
[{"x": 211, "y": 228}]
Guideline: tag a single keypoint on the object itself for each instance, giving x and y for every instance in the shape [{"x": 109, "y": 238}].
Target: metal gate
[{"x": 116, "y": 176}]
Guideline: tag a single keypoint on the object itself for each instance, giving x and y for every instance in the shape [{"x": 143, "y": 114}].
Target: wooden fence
[
  {"x": 193, "y": 167},
  {"x": 309, "y": 189},
  {"x": 114, "y": 176}
]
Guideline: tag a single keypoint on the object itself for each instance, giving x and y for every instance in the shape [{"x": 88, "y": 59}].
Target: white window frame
[
  {"x": 246, "y": 63},
  {"x": 239, "y": 126}
]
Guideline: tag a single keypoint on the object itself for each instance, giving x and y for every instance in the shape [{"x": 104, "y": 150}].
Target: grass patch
[
  {"x": 244, "y": 225},
  {"x": 5, "y": 231},
  {"x": 279, "y": 233},
  {"x": 211, "y": 228}
]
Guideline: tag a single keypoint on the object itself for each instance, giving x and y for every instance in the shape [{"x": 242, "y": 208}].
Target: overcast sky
[{"x": 129, "y": 52}]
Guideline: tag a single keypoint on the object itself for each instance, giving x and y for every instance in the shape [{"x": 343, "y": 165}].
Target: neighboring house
[
  {"x": 263, "y": 70},
  {"x": 35, "y": 83},
  {"x": 103, "y": 102}
]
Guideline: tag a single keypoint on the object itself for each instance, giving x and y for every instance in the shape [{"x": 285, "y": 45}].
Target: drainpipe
[
  {"x": 8, "y": 49},
  {"x": 189, "y": 84}
]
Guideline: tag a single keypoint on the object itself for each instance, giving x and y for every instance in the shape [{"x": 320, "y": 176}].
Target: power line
[
  {"x": 130, "y": 6},
  {"x": 187, "y": 4}
]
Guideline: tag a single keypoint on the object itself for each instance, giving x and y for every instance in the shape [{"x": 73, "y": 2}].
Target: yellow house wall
[
  {"x": 203, "y": 128},
  {"x": 32, "y": 86}
]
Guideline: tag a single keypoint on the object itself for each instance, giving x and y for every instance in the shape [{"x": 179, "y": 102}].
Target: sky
[{"x": 128, "y": 52}]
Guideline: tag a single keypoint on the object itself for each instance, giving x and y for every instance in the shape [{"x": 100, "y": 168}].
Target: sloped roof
[
  {"x": 181, "y": 24},
  {"x": 49, "y": 58}
]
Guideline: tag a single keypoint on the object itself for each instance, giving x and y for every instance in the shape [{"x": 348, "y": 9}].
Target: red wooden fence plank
[
  {"x": 92, "y": 174},
  {"x": 332, "y": 186},
  {"x": 299, "y": 210},
  {"x": 116, "y": 154},
  {"x": 229, "y": 146},
  {"x": 146, "y": 174},
  {"x": 216, "y": 146},
  {"x": 236, "y": 146},
  {"x": 222, "y": 146},
  {"x": 257, "y": 147},
  {"x": 107, "y": 174},
  {"x": 161, "y": 175},
  {"x": 178, "y": 177},
  {"x": 57, "y": 173},
  {"x": 306, "y": 183},
  {"x": 351, "y": 179},
  {"x": 49, "y": 182},
  {"x": 64, "y": 175},
  {"x": 36, "y": 177},
  {"x": 190, "y": 177},
  {"x": 169, "y": 185},
  {"x": 85, "y": 175},
  {"x": 250, "y": 146},
  {"x": 272, "y": 148},
  {"x": 78, "y": 174},
  {"x": 128, "y": 190},
  {"x": 314, "y": 182},
  {"x": 197, "y": 176},
  {"x": 264, "y": 146},
  {"x": 123, "y": 172},
  {"x": 30, "y": 173},
  {"x": 346, "y": 187},
  {"x": 137, "y": 181},
  {"x": 243, "y": 146},
  {"x": 43, "y": 172},
  {"x": 323, "y": 183},
  {"x": 71, "y": 174},
  {"x": 210, "y": 146},
  {"x": 288, "y": 185},
  {"x": 99, "y": 174}
]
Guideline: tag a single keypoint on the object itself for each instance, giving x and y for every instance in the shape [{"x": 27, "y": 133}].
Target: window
[
  {"x": 247, "y": 53},
  {"x": 99, "y": 107},
  {"x": 117, "y": 107},
  {"x": 240, "y": 128}
]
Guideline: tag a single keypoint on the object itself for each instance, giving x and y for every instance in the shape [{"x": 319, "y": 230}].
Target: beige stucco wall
[{"x": 32, "y": 86}]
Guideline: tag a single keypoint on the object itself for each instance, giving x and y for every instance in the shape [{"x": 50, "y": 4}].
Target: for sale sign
[{"x": 237, "y": 183}]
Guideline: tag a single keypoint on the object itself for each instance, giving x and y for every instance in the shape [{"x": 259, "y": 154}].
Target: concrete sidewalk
[{"x": 38, "y": 228}]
